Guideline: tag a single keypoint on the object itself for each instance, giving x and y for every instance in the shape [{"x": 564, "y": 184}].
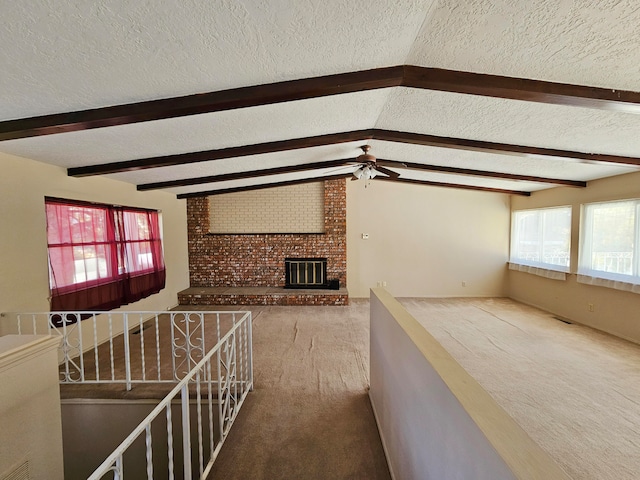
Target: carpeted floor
[
  {"x": 574, "y": 390},
  {"x": 309, "y": 416}
]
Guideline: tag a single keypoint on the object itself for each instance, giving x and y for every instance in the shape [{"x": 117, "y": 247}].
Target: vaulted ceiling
[{"x": 201, "y": 97}]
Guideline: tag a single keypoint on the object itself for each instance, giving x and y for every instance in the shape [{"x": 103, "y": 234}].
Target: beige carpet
[
  {"x": 309, "y": 416},
  {"x": 574, "y": 390}
]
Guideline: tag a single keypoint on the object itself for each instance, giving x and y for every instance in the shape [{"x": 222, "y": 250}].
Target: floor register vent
[
  {"x": 563, "y": 320},
  {"x": 21, "y": 472}
]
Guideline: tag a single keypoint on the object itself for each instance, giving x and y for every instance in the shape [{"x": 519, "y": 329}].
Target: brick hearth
[{"x": 261, "y": 296}]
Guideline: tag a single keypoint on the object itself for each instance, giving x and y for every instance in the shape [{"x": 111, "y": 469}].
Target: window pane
[
  {"x": 138, "y": 248},
  {"x": 613, "y": 237},
  {"x": 90, "y": 263},
  {"x": 76, "y": 224},
  {"x": 136, "y": 225},
  {"x": 139, "y": 256},
  {"x": 78, "y": 248},
  {"x": 556, "y": 236},
  {"x": 62, "y": 266},
  {"x": 527, "y": 238},
  {"x": 542, "y": 237}
]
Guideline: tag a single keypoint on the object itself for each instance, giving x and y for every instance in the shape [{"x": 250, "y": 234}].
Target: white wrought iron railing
[
  {"x": 127, "y": 347},
  {"x": 217, "y": 386}
]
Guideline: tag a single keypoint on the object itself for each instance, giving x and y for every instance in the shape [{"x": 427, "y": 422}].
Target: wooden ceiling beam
[
  {"x": 498, "y": 148},
  {"x": 343, "y": 162},
  {"x": 336, "y": 177},
  {"x": 262, "y": 186},
  {"x": 479, "y": 173},
  {"x": 222, "y": 100},
  {"x": 251, "y": 96},
  {"x": 452, "y": 185},
  {"x": 356, "y": 135},
  {"x": 244, "y": 175},
  {"x": 525, "y": 89},
  {"x": 222, "y": 153}
]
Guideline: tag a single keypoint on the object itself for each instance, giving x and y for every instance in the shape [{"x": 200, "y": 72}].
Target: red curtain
[{"x": 101, "y": 256}]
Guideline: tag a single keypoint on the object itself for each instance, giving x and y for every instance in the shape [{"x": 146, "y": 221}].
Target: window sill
[
  {"x": 623, "y": 285},
  {"x": 539, "y": 271}
]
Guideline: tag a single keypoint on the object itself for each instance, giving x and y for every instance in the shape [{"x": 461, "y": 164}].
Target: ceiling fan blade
[{"x": 386, "y": 171}]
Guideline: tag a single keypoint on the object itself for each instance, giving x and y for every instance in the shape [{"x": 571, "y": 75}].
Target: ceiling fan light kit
[
  {"x": 365, "y": 173},
  {"x": 368, "y": 169}
]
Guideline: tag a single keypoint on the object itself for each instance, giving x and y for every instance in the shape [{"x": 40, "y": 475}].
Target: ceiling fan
[{"x": 368, "y": 168}]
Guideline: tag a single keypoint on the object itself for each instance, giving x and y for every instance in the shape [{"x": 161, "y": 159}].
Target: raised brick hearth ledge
[{"x": 261, "y": 296}]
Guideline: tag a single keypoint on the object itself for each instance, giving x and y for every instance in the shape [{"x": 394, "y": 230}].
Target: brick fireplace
[{"x": 257, "y": 260}]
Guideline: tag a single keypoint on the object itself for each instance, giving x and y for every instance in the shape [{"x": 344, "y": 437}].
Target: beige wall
[
  {"x": 614, "y": 311},
  {"x": 425, "y": 241},
  {"x": 30, "y": 419},
  {"x": 24, "y": 284}
]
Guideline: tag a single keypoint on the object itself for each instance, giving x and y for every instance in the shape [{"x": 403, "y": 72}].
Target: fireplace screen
[{"x": 305, "y": 272}]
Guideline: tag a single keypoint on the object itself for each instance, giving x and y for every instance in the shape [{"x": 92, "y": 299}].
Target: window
[
  {"x": 541, "y": 239},
  {"x": 609, "y": 242},
  {"x": 102, "y": 256}
]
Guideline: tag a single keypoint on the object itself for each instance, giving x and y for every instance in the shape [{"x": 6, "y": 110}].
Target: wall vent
[{"x": 21, "y": 472}]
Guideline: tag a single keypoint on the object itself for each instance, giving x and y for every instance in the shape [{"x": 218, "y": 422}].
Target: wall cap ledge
[{"x": 16, "y": 349}]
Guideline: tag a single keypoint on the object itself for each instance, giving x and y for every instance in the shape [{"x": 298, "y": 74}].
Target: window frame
[
  {"x": 586, "y": 271},
  {"x": 121, "y": 285},
  {"x": 539, "y": 267}
]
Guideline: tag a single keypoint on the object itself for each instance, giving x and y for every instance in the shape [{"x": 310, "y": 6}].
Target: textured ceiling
[
  {"x": 512, "y": 121},
  {"x": 77, "y": 54},
  {"x": 66, "y": 56},
  {"x": 585, "y": 42}
]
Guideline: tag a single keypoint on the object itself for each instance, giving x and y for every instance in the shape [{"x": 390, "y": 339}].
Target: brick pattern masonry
[
  {"x": 290, "y": 209},
  {"x": 258, "y": 260}
]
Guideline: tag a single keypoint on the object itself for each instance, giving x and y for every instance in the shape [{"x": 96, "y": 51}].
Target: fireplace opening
[{"x": 305, "y": 273}]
